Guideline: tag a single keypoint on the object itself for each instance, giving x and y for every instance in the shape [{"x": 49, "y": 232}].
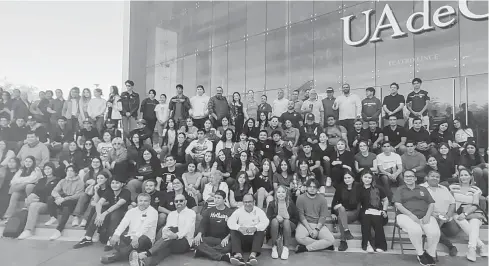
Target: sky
[{"x": 59, "y": 45}]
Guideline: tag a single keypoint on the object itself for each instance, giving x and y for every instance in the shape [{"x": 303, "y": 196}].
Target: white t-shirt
[
  {"x": 199, "y": 106},
  {"x": 349, "y": 107},
  {"x": 463, "y": 134},
  {"x": 390, "y": 161},
  {"x": 279, "y": 107},
  {"x": 317, "y": 108}
]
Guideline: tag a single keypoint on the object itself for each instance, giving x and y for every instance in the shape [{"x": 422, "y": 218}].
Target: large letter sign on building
[{"x": 388, "y": 20}]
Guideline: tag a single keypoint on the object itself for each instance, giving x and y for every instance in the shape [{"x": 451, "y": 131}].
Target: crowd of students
[{"x": 221, "y": 176}]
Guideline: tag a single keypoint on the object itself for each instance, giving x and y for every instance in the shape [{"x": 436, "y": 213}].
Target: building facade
[{"x": 267, "y": 45}]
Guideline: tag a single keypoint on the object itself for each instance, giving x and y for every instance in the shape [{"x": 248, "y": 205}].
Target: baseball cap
[
  {"x": 31, "y": 118},
  {"x": 221, "y": 193},
  {"x": 141, "y": 121},
  {"x": 329, "y": 89},
  {"x": 109, "y": 121},
  {"x": 310, "y": 116},
  {"x": 87, "y": 120}
]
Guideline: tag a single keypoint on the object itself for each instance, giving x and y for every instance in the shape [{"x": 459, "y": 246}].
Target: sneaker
[
  {"x": 471, "y": 254},
  {"x": 348, "y": 235},
  {"x": 301, "y": 248},
  {"x": 4, "y": 221},
  {"x": 274, "y": 252},
  {"x": 108, "y": 247},
  {"x": 335, "y": 227},
  {"x": 83, "y": 243},
  {"x": 134, "y": 258},
  {"x": 370, "y": 249},
  {"x": 423, "y": 260},
  {"x": 107, "y": 259},
  {"x": 56, "y": 235},
  {"x": 330, "y": 248},
  {"x": 96, "y": 237},
  {"x": 483, "y": 251},
  {"x": 226, "y": 258},
  {"x": 252, "y": 261},
  {"x": 452, "y": 251},
  {"x": 343, "y": 246},
  {"x": 237, "y": 261},
  {"x": 83, "y": 223},
  {"x": 198, "y": 253},
  {"x": 429, "y": 258},
  {"x": 328, "y": 181},
  {"x": 285, "y": 253},
  {"x": 51, "y": 221},
  {"x": 75, "y": 222},
  {"x": 25, "y": 234},
  {"x": 379, "y": 250}
]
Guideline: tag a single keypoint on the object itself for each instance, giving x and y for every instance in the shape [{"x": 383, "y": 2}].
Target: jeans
[
  {"x": 66, "y": 207},
  {"x": 415, "y": 232},
  {"x": 448, "y": 229},
  {"x": 16, "y": 195},
  {"x": 471, "y": 228},
  {"x": 344, "y": 218},
  {"x": 164, "y": 248},
  {"x": 325, "y": 238},
  {"x": 99, "y": 125},
  {"x": 376, "y": 222},
  {"x": 287, "y": 228},
  {"x": 73, "y": 124},
  {"x": 109, "y": 225},
  {"x": 124, "y": 248},
  {"x": 247, "y": 243},
  {"x": 82, "y": 205},
  {"x": 211, "y": 247},
  {"x": 128, "y": 124},
  {"x": 348, "y": 124},
  {"x": 480, "y": 178},
  {"x": 34, "y": 210}
]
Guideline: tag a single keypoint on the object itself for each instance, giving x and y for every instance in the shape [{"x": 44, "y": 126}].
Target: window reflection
[
  {"x": 301, "y": 53},
  {"x": 277, "y": 14},
  {"x": 277, "y": 64},
  {"x": 478, "y": 107},
  {"x": 255, "y": 62},
  {"x": 324, "y": 7},
  {"x": 219, "y": 23},
  {"x": 473, "y": 41},
  {"x": 219, "y": 67},
  {"x": 237, "y": 20},
  {"x": 300, "y": 11},
  {"x": 256, "y": 17},
  {"x": 202, "y": 25},
  {"x": 189, "y": 73},
  {"x": 236, "y": 67},
  {"x": 204, "y": 70}
]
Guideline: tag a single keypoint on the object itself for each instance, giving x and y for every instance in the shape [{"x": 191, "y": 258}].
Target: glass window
[
  {"x": 189, "y": 73},
  {"x": 202, "y": 25},
  {"x": 477, "y": 106},
  {"x": 236, "y": 67},
  {"x": 301, "y": 53},
  {"x": 300, "y": 10},
  {"x": 328, "y": 39},
  {"x": 324, "y": 7},
  {"x": 256, "y": 17},
  {"x": 204, "y": 70},
  {"x": 277, "y": 14},
  {"x": 473, "y": 40},
  {"x": 237, "y": 20},
  {"x": 348, "y": 3},
  {"x": 255, "y": 62},
  {"x": 404, "y": 90},
  {"x": 395, "y": 57},
  {"x": 436, "y": 52},
  {"x": 219, "y": 75},
  {"x": 359, "y": 62},
  {"x": 219, "y": 23},
  {"x": 179, "y": 71},
  {"x": 150, "y": 78},
  {"x": 277, "y": 62},
  {"x": 187, "y": 31}
]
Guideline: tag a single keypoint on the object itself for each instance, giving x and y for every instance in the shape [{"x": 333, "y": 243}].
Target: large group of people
[{"x": 219, "y": 177}]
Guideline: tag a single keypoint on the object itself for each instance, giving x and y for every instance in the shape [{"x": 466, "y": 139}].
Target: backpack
[{"x": 15, "y": 224}]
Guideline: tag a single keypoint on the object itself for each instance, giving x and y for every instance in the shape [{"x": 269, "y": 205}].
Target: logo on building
[{"x": 443, "y": 17}]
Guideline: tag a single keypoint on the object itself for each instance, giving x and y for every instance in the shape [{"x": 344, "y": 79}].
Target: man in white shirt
[
  {"x": 390, "y": 168},
  {"x": 349, "y": 108},
  {"x": 162, "y": 113},
  {"x": 248, "y": 225},
  {"x": 279, "y": 105},
  {"x": 176, "y": 238},
  {"x": 140, "y": 236},
  {"x": 315, "y": 106},
  {"x": 199, "y": 111}
]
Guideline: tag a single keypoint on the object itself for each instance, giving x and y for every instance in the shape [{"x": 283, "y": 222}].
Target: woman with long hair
[
  {"x": 471, "y": 159},
  {"x": 254, "y": 154},
  {"x": 446, "y": 164},
  {"x": 224, "y": 164},
  {"x": 224, "y": 126},
  {"x": 114, "y": 106},
  {"x": 85, "y": 98},
  {"x": 191, "y": 180},
  {"x": 282, "y": 213},
  {"x": 262, "y": 121},
  {"x": 205, "y": 167},
  {"x": 284, "y": 175},
  {"x": 250, "y": 130},
  {"x": 89, "y": 152},
  {"x": 345, "y": 207},
  {"x": 178, "y": 150},
  {"x": 168, "y": 138},
  {"x": 262, "y": 184},
  {"x": 441, "y": 134},
  {"x": 242, "y": 164},
  {"x": 227, "y": 142},
  {"x": 238, "y": 112},
  {"x": 117, "y": 154},
  {"x": 71, "y": 110},
  {"x": 72, "y": 156},
  {"x": 148, "y": 110},
  {"x": 22, "y": 183},
  {"x": 147, "y": 167},
  {"x": 210, "y": 132},
  {"x": 341, "y": 160},
  {"x": 373, "y": 213},
  {"x": 301, "y": 175},
  {"x": 462, "y": 133},
  {"x": 11, "y": 169},
  {"x": 36, "y": 202},
  {"x": 241, "y": 188},
  {"x": 5, "y": 104},
  {"x": 470, "y": 215}
]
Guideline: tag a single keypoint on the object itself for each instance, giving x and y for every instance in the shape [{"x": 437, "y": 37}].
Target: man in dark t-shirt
[
  {"x": 396, "y": 135},
  {"x": 393, "y": 104},
  {"x": 313, "y": 161},
  {"x": 417, "y": 103},
  {"x": 376, "y": 136},
  {"x": 88, "y": 132}
]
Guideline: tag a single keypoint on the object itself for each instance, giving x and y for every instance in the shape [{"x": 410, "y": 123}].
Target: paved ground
[{"x": 45, "y": 253}]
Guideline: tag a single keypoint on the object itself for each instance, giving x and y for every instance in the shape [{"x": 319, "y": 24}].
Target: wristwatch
[
  {"x": 317, "y": 229},
  {"x": 465, "y": 214}
]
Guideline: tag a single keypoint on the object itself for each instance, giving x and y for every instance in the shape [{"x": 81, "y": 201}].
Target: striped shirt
[{"x": 462, "y": 196}]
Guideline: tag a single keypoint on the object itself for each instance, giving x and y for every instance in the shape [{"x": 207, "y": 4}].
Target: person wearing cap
[
  {"x": 213, "y": 235},
  {"x": 96, "y": 109},
  {"x": 349, "y": 108},
  {"x": 328, "y": 102},
  {"x": 130, "y": 107},
  {"x": 314, "y": 106},
  {"x": 311, "y": 130},
  {"x": 41, "y": 131},
  {"x": 60, "y": 136},
  {"x": 417, "y": 103},
  {"x": 279, "y": 105},
  {"x": 371, "y": 107},
  {"x": 143, "y": 132},
  {"x": 88, "y": 132},
  {"x": 109, "y": 211},
  {"x": 110, "y": 126}
]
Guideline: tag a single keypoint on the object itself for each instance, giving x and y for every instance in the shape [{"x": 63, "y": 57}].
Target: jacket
[
  {"x": 69, "y": 189},
  {"x": 130, "y": 103},
  {"x": 43, "y": 189},
  {"x": 272, "y": 212},
  {"x": 219, "y": 106}
]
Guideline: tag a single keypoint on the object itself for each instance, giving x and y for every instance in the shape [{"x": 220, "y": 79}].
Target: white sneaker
[
  {"x": 370, "y": 249},
  {"x": 95, "y": 237},
  {"x": 285, "y": 253},
  {"x": 25, "y": 234},
  {"x": 274, "y": 252},
  {"x": 51, "y": 221},
  {"x": 483, "y": 250},
  {"x": 134, "y": 258},
  {"x": 472, "y": 254},
  {"x": 75, "y": 222},
  {"x": 379, "y": 250},
  {"x": 56, "y": 235},
  {"x": 328, "y": 181},
  {"x": 83, "y": 223}
]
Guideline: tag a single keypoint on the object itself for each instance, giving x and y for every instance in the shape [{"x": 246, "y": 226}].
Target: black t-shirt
[
  {"x": 419, "y": 136},
  {"x": 168, "y": 197},
  {"x": 418, "y": 101},
  {"x": 294, "y": 117},
  {"x": 112, "y": 199},
  {"x": 42, "y": 133},
  {"x": 18, "y": 133},
  {"x": 320, "y": 153},
  {"x": 392, "y": 102},
  {"x": 268, "y": 148},
  {"x": 100, "y": 192},
  {"x": 214, "y": 222},
  {"x": 156, "y": 198},
  {"x": 353, "y": 135},
  {"x": 261, "y": 181},
  {"x": 438, "y": 138},
  {"x": 364, "y": 198},
  {"x": 88, "y": 134},
  {"x": 394, "y": 136},
  {"x": 168, "y": 176},
  {"x": 373, "y": 136},
  {"x": 311, "y": 159}
]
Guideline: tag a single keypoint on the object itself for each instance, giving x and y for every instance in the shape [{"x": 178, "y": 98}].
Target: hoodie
[
  {"x": 38, "y": 150},
  {"x": 69, "y": 189},
  {"x": 96, "y": 107}
]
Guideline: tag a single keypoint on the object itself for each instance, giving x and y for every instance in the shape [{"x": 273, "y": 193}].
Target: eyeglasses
[
  {"x": 179, "y": 201},
  {"x": 117, "y": 143},
  {"x": 409, "y": 175},
  {"x": 88, "y": 144},
  {"x": 410, "y": 146}
]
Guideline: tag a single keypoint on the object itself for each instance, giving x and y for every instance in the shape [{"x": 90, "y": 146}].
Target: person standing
[
  {"x": 264, "y": 107},
  {"x": 96, "y": 110},
  {"x": 279, "y": 105},
  {"x": 218, "y": 107},
  {"x": 179, "y": 107},
  {"x": 296, "y": 100},
  {"x": 291, "y": 114},
  {"x": 20, "y": 105},
  {"x": 349, "y": 108},
  {"x": 148, "y": 110},
  {"x": 114, "y": 106},
  {"x": 161, "y": 111},
  {"x": 371, "y": 107},
  {"x": 71, "y": 111},
  {"x": 83, "y": 105},
  {"x": 328, "y": 103},
  {"x": 238, "y": 113},
  {"x": 394, "y": 105},
  {"x": 199, "y": 111},
  {"x": 417, "y": 103},
  {"x": 251, "y": 105},
  {"x": 314, "y": 106},
  {"x": 130, "y": 107},
  {"x": 55, "y": 108}
]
